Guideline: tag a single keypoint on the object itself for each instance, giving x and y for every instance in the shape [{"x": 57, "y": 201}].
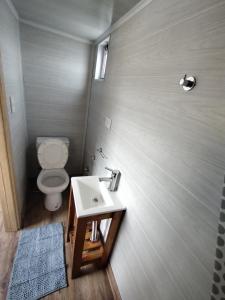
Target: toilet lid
[{"x": 53, "y": 154}]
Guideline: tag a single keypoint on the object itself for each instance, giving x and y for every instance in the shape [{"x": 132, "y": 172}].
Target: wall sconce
[{"x": 188, "y": 83}]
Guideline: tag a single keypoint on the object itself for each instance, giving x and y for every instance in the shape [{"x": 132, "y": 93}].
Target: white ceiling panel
[{"x": 86, "y": 19}]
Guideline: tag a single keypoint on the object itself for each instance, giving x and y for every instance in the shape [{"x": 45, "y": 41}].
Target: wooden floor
[
  {"x": 8, "y": 244},
  {"x": 94, "y": 285}
]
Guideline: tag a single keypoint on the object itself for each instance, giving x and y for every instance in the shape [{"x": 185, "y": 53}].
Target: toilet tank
[
  {"x": 41, "y": 140},
  {"x": 52, "y": 152}
]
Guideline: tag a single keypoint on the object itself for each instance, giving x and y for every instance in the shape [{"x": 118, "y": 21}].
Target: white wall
[
  {"x": 168, "y": 144},
  {"x": 11, "y": 61},
  {"x": 56, "y": 74}
]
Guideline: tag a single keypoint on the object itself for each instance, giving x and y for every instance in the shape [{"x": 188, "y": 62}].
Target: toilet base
[{"x": 53, "y": 201}]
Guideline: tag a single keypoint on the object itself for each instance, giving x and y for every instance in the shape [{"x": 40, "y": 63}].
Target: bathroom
[{"x": 133, "y": 86}]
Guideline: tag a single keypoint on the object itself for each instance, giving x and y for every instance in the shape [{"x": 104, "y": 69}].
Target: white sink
[{"x": 92, "y": 197}]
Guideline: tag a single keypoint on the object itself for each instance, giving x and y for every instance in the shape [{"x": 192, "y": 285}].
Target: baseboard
[{"x": 113, "y": 283}]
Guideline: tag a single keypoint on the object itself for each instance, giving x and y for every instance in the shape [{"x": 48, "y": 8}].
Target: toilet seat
[{"x": 53, "y": 181}]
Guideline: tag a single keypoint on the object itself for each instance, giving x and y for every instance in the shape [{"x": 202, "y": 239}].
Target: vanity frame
[{"x": 78, "y": 234}]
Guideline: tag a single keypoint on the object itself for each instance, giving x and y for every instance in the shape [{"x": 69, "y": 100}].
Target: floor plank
[
  {"x": 8, "y": 244},
  {"x": 91, "y": 286}
]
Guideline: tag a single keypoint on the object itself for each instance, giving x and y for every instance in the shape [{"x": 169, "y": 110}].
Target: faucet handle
[{"x": 111, "y": 170}]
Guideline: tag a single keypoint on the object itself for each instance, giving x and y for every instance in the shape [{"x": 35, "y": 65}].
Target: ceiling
[
  {"x": 121, "y": 7},
  {"x": 86, "y": 19}
]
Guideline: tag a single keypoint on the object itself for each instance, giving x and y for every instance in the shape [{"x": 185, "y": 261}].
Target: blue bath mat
[{"x": 39, "y": 265}]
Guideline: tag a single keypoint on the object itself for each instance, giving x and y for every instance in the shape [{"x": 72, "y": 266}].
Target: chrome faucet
[{"x": 114, "y": 179}]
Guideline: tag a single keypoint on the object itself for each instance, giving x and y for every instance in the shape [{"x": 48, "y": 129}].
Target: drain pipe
[{"x": 94, "y": 232}]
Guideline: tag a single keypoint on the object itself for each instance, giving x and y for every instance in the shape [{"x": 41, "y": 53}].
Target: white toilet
[{"x": 52, "y": 155}]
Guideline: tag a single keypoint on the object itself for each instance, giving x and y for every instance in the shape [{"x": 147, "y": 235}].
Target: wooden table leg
[
  {"x": 78, "y": 244},
  {"x": 113, "y": 230},
  {"x": 71, "y": 215}
]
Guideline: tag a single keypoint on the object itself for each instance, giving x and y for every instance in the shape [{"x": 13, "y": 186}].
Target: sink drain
[{"x": 95, "y": 200}]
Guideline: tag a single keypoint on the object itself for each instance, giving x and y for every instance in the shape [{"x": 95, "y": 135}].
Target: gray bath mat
[{"x": 39, "y": 265}]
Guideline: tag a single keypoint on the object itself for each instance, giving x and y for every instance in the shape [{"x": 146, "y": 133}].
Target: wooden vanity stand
[{"x": 78, "y": 234}]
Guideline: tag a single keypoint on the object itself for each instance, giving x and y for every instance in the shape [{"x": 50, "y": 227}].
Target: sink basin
[{"x": 92, "y": 197}]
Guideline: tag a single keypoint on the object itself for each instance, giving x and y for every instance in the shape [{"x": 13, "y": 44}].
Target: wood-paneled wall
[
  {"x": 169, "y": 146},
  {"x": 12, "y": 68},
  {"x": 55, "y": 80}
]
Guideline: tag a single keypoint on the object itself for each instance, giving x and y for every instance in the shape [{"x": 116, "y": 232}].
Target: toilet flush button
[{"x": 108, "y": 123}]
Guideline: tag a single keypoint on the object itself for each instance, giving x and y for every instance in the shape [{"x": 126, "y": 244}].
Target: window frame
[{"x": 101, "y": 59}]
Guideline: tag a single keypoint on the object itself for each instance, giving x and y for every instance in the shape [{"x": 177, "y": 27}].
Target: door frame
[{"x": 8, "y": 193}]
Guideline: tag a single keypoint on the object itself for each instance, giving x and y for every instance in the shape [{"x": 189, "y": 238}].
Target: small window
[{"x": 101, "y": 61}]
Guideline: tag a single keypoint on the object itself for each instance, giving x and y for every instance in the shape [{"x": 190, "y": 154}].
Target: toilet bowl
[
  {"x": 52, "y": 183},
  {"x": 52, "y": 155}
]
